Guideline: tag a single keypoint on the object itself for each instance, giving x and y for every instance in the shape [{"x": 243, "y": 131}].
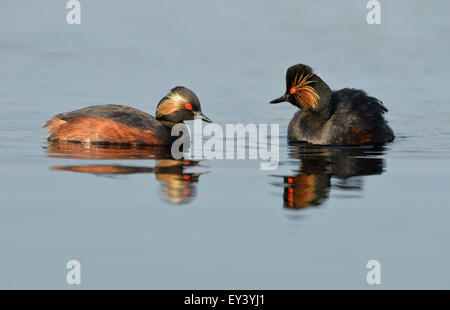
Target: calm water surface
[{"x": 139, "y": 219}]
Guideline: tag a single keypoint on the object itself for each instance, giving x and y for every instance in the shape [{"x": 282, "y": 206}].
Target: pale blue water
[{"x": 229, "y": 225}]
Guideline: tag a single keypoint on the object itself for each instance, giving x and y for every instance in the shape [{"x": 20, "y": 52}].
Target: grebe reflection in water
[
  {"x": 177, "y": 185},
  {"x": 319, "y": 165}
]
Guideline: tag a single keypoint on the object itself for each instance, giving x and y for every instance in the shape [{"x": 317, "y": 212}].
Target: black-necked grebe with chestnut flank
[
  {"x": 118, "y": 124},
  {"x": 344, "y": 117}
]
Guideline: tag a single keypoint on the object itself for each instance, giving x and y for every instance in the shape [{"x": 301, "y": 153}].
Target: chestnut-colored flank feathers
[
  {"x": 305, "y": 94},
  {"x": 359, "y": 136},
  {"x": 99, "y": 130}
]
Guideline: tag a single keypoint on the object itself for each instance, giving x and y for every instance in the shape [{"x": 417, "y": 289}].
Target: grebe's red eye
[
  {"x": 292, "y": 90},
  {"x": 188, "y": 106}
]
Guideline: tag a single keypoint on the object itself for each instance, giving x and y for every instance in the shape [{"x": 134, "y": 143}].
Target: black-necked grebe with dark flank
[
  {"x": 118, "y": 124},
  {"x": 344, "y": 117}
]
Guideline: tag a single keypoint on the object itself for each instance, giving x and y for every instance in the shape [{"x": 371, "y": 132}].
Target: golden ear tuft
[
  {"x": 170, "y": 104},
  {"x": 306, "y": 95}
]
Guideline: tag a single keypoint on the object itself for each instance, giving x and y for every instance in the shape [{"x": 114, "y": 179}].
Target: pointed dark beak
[
  {"x": 281, "y": 99},
  {"x": 203, "y": 117}
]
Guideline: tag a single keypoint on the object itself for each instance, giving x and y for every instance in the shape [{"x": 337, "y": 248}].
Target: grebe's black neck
[
  {"x": 325, "y": 107},
  {"x": 168, "y": 124}
]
